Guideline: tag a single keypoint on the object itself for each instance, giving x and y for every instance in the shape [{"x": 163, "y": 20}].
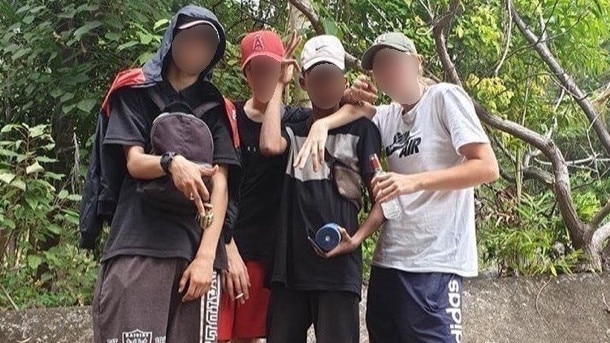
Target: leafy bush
[
  {"x": 368, "y": 249},
  {"x": 39, "y": 262},
  {"x": 525, "y": 237}
]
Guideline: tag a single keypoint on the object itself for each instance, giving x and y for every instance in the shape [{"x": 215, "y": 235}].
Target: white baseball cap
[{"x": 324, "y": 48}]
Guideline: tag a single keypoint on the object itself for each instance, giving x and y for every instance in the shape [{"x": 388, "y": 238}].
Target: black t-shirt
[
  {"x": 311, "y": 199},
  {"x": 260, "y": 187},
  {"x": 139, "y": 226}
]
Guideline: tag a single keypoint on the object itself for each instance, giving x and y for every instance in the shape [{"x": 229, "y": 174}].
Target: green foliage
[
  {"x": 478, "y": 30},
  {"x": 33, "y": 213},
  {"x": 526, "y": 238},
  {"x": 368, "y": 250},
  {"x": 67, "y": 280},
  {"x": 57, "y": 59},
  {"x": 368, "y": 246},
  {"x": 587, "y": 205},
  {"x": 358, "y": 22},
  {"x": 503, "y": 73},
  {"x": 492, "y": 91},
  {"x": 577, "y": 30}
]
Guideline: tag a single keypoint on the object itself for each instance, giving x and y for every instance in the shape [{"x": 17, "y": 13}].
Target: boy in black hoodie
[{"x": 157, "y": 264}]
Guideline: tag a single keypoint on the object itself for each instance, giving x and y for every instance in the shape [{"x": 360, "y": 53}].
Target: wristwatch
[{"x": 166, "y": 161}]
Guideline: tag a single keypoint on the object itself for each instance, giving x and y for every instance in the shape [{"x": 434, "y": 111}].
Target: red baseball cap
[{"x": 261, "y": 43}]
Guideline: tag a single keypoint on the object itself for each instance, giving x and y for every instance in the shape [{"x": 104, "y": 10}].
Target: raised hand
[
  {"x": 362, "y": 90},
  {"x": 289, "y": 64},
  {"x": 292, "y": 45}
]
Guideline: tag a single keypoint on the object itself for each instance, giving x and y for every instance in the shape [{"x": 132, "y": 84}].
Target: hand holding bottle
[{"x": 391, "y": 207}]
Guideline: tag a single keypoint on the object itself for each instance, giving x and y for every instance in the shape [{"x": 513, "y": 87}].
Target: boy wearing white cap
[
  {"x": 310, "y": 286},
  {"x": 437, "y": 152}
]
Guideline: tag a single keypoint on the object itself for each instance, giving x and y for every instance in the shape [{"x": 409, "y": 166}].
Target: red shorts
[{"x": 247, "y": 321}]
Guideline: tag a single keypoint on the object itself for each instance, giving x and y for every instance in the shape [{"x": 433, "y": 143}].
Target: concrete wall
[{"x": 566, "y": 309}]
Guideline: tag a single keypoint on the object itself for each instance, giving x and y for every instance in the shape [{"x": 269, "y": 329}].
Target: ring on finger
[{"x": 192, "y": 197}]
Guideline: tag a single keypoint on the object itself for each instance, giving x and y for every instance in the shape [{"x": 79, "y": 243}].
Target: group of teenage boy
[{"x": 161, "y": 272}]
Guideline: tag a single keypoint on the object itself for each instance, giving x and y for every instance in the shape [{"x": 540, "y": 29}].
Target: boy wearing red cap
[{"x": 245, "y": 300}]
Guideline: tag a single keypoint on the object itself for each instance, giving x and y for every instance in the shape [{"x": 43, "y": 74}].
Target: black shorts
[
  {"x": 414, "y": 307},
  {"x": 136, "y": 300},
  {"x": 334, "y": 315}
]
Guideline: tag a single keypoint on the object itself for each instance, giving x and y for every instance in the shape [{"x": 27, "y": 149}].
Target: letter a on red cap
[{"x": 258, "y": 43}]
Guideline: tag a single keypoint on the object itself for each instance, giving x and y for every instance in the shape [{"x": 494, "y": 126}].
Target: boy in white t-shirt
[{"x": 437, "y": 152}]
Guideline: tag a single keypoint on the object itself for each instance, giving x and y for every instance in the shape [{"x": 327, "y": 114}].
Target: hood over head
[{"x": 153, "y": 68}]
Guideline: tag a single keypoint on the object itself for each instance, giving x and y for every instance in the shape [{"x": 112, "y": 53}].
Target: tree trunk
[
  {"x": 63, "y": 135},
  {"x": 593, "y": 259},
  {"x": 297, "y": 21}
]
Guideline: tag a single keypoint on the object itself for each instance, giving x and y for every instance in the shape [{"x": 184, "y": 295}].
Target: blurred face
[
  {"x": 397, "y": 74},
  {"x": 325, "y": 84},
  {"x": 263, "y": 74},
  {"x": 193, "y": 49}
]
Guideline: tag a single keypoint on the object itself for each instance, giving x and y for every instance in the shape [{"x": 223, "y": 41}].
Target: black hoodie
[
  {"x": 107, "y": 170},
  {"x": 153, "y": 69}
]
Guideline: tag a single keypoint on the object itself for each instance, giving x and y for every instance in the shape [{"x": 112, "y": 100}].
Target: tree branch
[
  {"x": 440, "y": 41},
  {"x": 531, "y": 173},
  {"x": 601, "y": 215},
  {"x": 508, "y": 35},
  {"x": 599, "y": 236},
  {"x": 505, "y": 151},
  {"x": 582, "y": 161},
  {"x": 309, "y": 14},
  {"x": 564, "y": 78},
  {"x": 603, "y": 97},
  {"x": 351, "y": 60},
  {"x": 561, "y": 182},
  {"x": 443, "y": 21}
]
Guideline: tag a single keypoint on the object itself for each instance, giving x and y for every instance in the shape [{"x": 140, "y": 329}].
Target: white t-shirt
[{"x": 436, "y": 232}]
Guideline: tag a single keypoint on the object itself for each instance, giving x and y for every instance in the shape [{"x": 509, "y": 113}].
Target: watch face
[{"x": 166, "y": 159}]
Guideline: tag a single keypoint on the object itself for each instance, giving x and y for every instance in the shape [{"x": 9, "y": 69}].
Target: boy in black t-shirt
[
  {"x": 309, "y": 288},
  {"x": 157, "y": 263},
  {"x": 244, "y": 303}
]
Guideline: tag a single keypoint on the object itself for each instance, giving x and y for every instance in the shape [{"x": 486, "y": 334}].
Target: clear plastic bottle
[{"x": 391, "y": 208}]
